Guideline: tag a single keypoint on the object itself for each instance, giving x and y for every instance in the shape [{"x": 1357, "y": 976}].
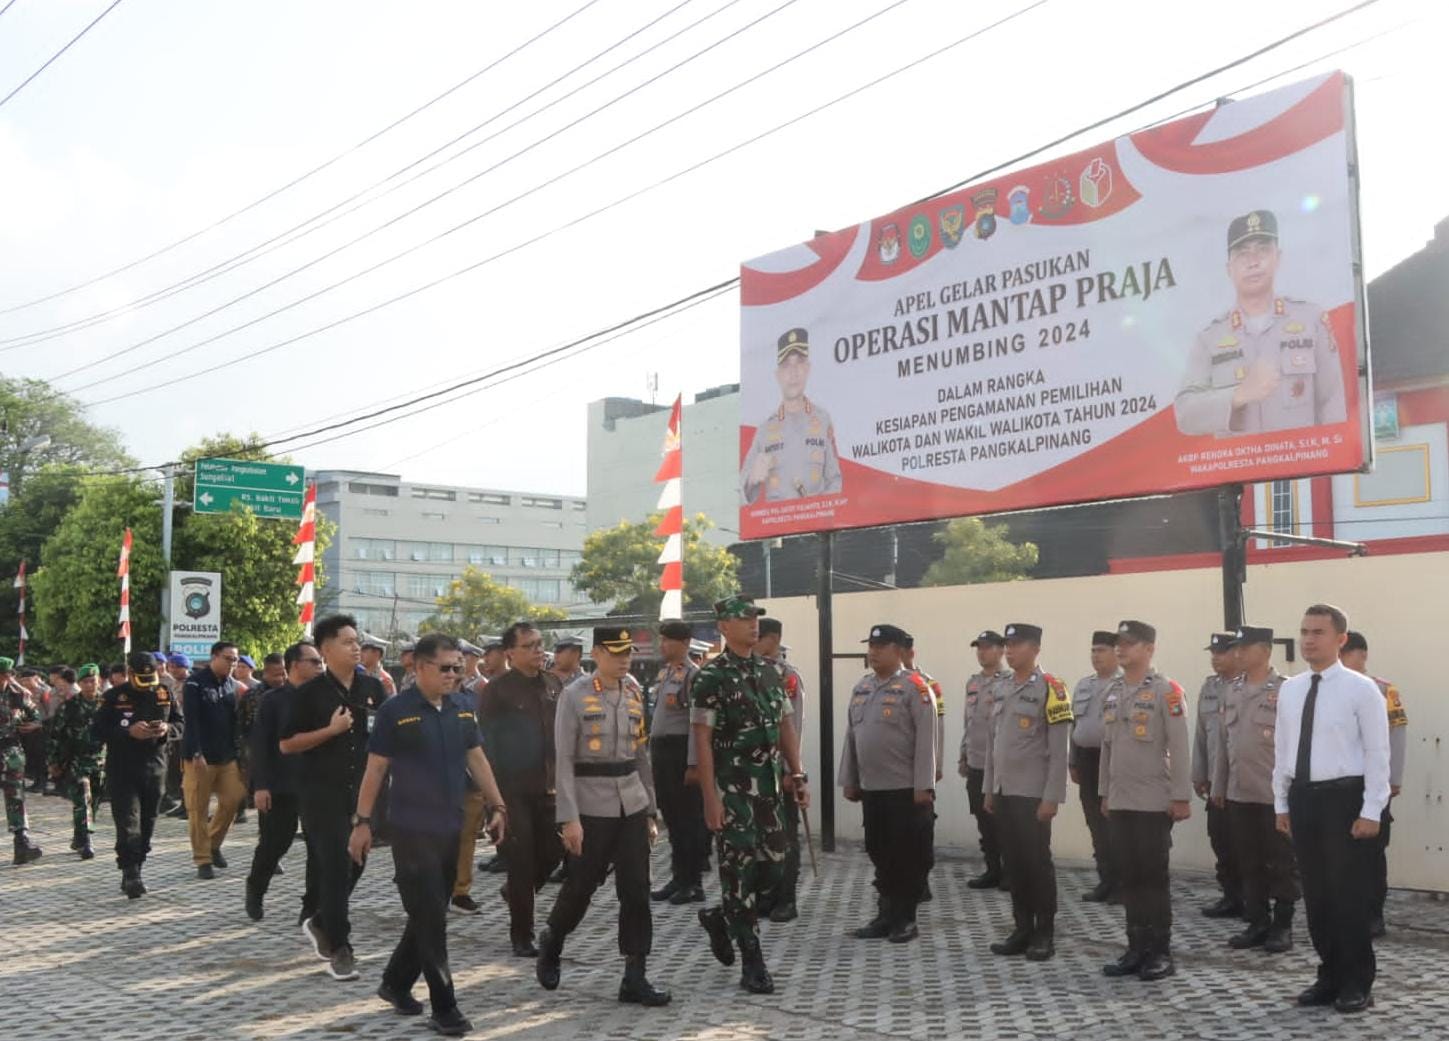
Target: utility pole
[
  {"x": 826, "y": 701},
  {"x": 168, "y": 507}
]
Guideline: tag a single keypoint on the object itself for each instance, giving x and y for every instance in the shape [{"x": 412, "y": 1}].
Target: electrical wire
[
  {"x": 8, "y": 6},
  {"x": 301, "y": 177},
  {"x": 54, "y": 57}
]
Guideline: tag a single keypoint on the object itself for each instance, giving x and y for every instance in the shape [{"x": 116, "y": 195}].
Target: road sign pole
[{"x": 168, "y": 507}]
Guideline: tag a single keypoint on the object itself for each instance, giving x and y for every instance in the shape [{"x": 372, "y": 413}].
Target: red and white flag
[
  {"x": 20, "y": 585},
  {"x": 305, "y": 540},
  {"x": 123, "y": 572},
  {"x": 671, "y": 528}
]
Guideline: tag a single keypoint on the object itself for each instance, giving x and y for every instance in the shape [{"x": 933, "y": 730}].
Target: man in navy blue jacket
[{"x": 209, "y": 750}]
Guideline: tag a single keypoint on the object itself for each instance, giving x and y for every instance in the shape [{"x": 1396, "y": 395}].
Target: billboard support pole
[
  {"x": 826, "y": 785},
  {"x": 168, "y": 507},
  {"x": 1230, "y": 498}
]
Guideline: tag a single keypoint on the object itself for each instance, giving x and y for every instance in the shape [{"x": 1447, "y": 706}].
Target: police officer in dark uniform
[
  {"x": 679, "y": 803},
  {"x": 1223, "y": 648},
  {"x": 134, "y": 722},
  {"x": 1085, "y": 760}
]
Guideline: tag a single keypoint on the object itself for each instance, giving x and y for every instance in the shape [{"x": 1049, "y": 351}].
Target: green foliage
[
  {"x": 31, "y": 409},
  {"x": 975, "y": 552},
  {"x": 477, "y": 603},
  {"x": 620, "y": 566}
]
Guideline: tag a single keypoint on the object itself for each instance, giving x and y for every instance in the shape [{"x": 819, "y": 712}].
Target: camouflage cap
[
  {"x": 7, "y": 665},
  {"x": 737, "y": 607},
  {"x": 87, "y": 670}
]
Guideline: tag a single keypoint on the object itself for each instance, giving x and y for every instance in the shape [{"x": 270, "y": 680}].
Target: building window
[
  {"x": 1400, "y": 477},
  {"x": 569, "y": 557},
  {"x": 373, "y": 549},
  {"x": 547, "y": 558},
  {"x": 434, "y": 516},
  {"x": 327, "y": 488},
  {"x": 361, "y": 488},
  {"x": 374, "y": 583},
  {"x": 550, "y": 524},
  {"x": 539, "y": 590},
  {"x": 426, "y": 552},
  {"x": 440, "y": 494},
  {"x": 491, "y": 520},
  {"x": 542, "y": 502},
  {"x": 580, "y": 505},
  {"x": 1282, "y": 509},
  {"x": 425, "y": 587},
  {"x": 490, "y": 498},
  {"x": 370, "y": 512}
]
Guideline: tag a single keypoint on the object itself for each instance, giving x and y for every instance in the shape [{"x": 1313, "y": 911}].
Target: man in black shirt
[
  {"x": 274, "y": 780},
  {"x": 327, "y": 728}
]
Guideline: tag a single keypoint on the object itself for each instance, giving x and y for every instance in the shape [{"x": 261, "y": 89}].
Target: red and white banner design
[
  {"x": 20, "y": 586},
  {"x": 671, "y": 527},
  {"x": 1175, "y": 309},
  {"x": 306, "y": 542},
  {"x": 123, "y": 572}
]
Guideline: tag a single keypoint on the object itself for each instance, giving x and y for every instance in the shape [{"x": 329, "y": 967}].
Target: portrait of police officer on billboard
[
  {"x": 1270, "y": 363},
  {"x": 793, "y": 454}
]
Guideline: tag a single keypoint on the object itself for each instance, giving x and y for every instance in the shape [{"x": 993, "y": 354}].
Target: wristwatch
[
  {"x": 358, "y": 818},
  {"x": 801, "y": 776}
]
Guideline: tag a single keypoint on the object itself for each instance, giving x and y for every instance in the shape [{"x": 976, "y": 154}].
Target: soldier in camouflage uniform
[
  {"x": 742, "y": 725},
  {"x": 77, "y": 758},
  {"x": 17, "y": 718}
]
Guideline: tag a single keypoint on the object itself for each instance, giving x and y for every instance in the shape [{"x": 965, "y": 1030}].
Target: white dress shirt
[{"x": 1350, "y": 736}]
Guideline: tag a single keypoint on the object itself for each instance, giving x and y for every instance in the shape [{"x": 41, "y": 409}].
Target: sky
[{"x": 168, "y": 117}]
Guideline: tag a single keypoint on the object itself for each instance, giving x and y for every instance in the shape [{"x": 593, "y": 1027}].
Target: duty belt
[
  {"x": 1335, "y": 782},
  {"x": 594, "y": 769}
]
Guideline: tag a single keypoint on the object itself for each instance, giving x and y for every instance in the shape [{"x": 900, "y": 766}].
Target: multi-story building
[{"x": 399, "y": 544}]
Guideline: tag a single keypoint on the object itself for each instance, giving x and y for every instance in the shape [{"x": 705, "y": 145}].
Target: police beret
[
  {"x": 179, "y": 660},
  {"x": 1259, "y": 224},
  {"x": 771, "y": 626},
  {"x": 7, "y": 665},
  {"x": 1023, "y": 631},
  {"x": 674, "y": 629},
  {"x": 1355, "y": 641},
  {"x": 887, "y": 634},
  {"x": 613, "y": 638},
  {"x": 988, "y": 636},
  {"x": 1104, "y": 638},
  {"x": 1139, "y": 632},
  {"x": 796, "y": 341},
  {"x": 1219, "y": 642},
  {"x": 246, "y": 659},
  {"x": 1247, "y": 634}
]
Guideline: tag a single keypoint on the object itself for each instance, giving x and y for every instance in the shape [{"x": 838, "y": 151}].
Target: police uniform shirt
[
  {"x": 1350, "y": 736},
  {"x": 1243, "y": 764},
  {"x": 976, "y": 737},
  {"x": 1207, "y": 736},
  {"x": 1145, "y": 760},
  {"x": 671, "y": 700},
  {"x": 1296, "y": 340},
  {"x": 1028, "y": 752},
  {"x": 801, "y": 448},
  {"x": 1087, "y": 699},
  {"x": 1398, "y": 730},
  {"x": 598, "y": 723},
  {"x": 890, "y": 738},
  {"x": 427, "y": 749},
  {"x": 794, "y": 690}
]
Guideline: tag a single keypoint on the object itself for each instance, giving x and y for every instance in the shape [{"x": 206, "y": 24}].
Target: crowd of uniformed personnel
[{"x": 574, "y": 763}]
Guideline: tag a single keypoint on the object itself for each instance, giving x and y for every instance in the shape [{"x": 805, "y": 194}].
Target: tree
[
  {"x": 977, "y": 553},
  {"x": 620, "y": 566},
  {"x": 33, "y": 409},
  {"x": 478, "y": 603},
  {"x": 25, "y": 523}
]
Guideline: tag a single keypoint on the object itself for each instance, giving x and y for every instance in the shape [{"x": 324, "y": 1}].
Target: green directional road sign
[{"x": 268, "y": 489}]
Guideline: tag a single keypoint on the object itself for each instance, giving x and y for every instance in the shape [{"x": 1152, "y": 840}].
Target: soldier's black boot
[
  {"x": 87, "y": 851},
  {"x": 636, "y": 988},
  {"x": 1132, "y": 958},
  {"x": 1225, "y": 906},
  {"x": 719, "y": 936},
  {"x": 1158, "y": 964},
  {"x": 547, "y": 968},
  {"x": 131, "y": 883},
  {"x": 754, "y": 977},
  {"x": 1255, "y": 935},
  {"x": 1098, "y": 893},
  {"x": 665, "y": 891},
  {"x": 25, "y": 850},
  {"x": 1016, "y": 942},
  {"x": 1280, "y": 933},
  {"x": 988, "y": 879},
  {"x": 1042, "y": 946},
  {"x": 76, "y": 832}
]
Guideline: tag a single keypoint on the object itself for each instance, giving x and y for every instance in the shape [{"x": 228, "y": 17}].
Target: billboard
[
  {"x": 1178, "y": 308},
  {"x": 195, "y": 612}
]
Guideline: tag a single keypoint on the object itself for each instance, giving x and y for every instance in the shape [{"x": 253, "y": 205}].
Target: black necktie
[{"x": 1302, "y": 772}]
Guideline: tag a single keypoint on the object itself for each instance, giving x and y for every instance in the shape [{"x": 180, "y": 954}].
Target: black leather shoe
[
  {"x": 635, "y": 988},
  {"x": 1224, "y": 907},
  {"x": 405, "y": 1004},
  {"x": 254, "y": 905},
  {"x": 217, "y": 860},
  {"x": 205, "y": 871},
  {"x": 989, "y": 879},
  {"x": 1252, "y": 936},
  {"x": 1127, "y": 965},
  {"x": 132, "y": 886},
  {"x": 1098, "y": 893},
  {"x": 1042, "y": 946},
  {"x": 1280, "y": 939},
  {"x": 88, "y": 852},
  {"x": 784, "y": 912},
  {"x": 665, "y": 891},
  {"x": 719, "y": 936},
  {"x": 1352, "y": 1001},
  {"x": 905, "y": 932},
  {"x": 547, "y": 968},
  {"x": 875, "y": 929},
  {"x": 524, "y": 948},
  {"x": 450, "y": 1024},
  {"x": 687, "y": 895},
  {"x": 1321, "y": 993},
  {"x": 1015, "y": 943},
  {"x": 1158, "y": 966}
]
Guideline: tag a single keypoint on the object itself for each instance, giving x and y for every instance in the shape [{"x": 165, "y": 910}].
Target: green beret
[{"x": 87, "y": 670}]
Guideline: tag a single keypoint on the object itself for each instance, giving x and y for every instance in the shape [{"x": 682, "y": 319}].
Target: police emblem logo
[
  {"x": 985, "y": 203},
  {"x": 920, "y": 236},
  {"x": 1011, "y": 630},
  {"x": 1018, "y": 201},
  {"x": 1255, "y": 222},
  {"x": 953, "y": 221},
  {"x": 889, "y": 246}
]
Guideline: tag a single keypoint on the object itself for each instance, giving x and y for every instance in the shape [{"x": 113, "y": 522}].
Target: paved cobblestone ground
[{"x": 185, "y": 963}]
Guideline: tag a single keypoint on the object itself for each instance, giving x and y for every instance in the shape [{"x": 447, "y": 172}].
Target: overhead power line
[
  {"x": 8, "y": 6},
  {"x": 54, "y": 57},
  {"x": 300, "y": 177}
]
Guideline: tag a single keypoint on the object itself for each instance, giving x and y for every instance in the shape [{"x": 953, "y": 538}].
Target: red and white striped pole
[
  {"x": 123, "y": 572},
  {"x": 305, "y": 540},
  {"x": 20, "y": 585},
  {"x": 671, "y": 528}
]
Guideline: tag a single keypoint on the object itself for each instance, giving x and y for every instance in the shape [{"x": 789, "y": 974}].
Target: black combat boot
[
  {"x": 76, "y": 833},
  {"x": 1158, "y": 964},
  {"x": 719, "y": 936},
  {"x": 1132, "y": 958},
  {"x": 754, "y": 977},
  {"x": 1098, "y": 893},
  {"x": 636, "y": 988},
  {"x": 665, "y": 891},
  {"x": 1280, "y": 933},
  {"x": 1225, "y": 906},
  {"x": 25, "y": 850},
  {"x": 87, "y": 851},
  {"x": 988, "y": 879},
  {"x": 1042, "y": 946},
  {"x": 1255, "y": 935},
  {"x": 131, "y": 883},
  {"x": 1019, "y": 938},
  {"x": 547, "y": 968}
]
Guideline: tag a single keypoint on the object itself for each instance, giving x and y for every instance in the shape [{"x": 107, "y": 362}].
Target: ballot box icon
[{"x": 1095, "y": 187}]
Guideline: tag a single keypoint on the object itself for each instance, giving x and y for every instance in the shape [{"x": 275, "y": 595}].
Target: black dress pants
[
  {"x": 1142, "y": 840},
  {"x": 425, "y": 865},
  {"x": 531, "y": 850},
  {"x": 1266, "y": 865},
  {"x": 986, "y": 827},
  {"x": 1220, "y": 834},
  {"x": 327, "y": 820},
  {"x": 900, "y": 839},
  {"x": 682, "y": 807},
  {"x": 623, "y": 843},
  {"x": 1089, "y": 763},
  {"x": 275, "y": 831},
  {"x": 1026, "y": 848},
  {"x": 1337, "y": 874},
  {"x": 135, "y": 794}
]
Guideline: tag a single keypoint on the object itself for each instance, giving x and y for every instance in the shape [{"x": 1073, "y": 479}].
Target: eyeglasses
[{"x": 448, "y": 668}]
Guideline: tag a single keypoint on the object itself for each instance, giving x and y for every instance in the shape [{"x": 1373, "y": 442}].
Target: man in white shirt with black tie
[{"x": 1330, "y": 786}]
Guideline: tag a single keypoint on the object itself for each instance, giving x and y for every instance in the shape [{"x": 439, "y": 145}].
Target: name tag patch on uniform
[{"x": 405, "y": 720}]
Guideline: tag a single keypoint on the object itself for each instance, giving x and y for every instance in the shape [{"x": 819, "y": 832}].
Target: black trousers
[
  {"x": 790, "y": 880},
  {"x": 425, "y": 865},
  {"x": 1220, "y": 834},
  {"x": 326, "y": 817},
  {"x": 135, "y": 794},
  {"x": 899, "y": 837},
  {"x": 1026, "y": 850},
  {"x": 1089, "y": 764},
  {"x": 986, "y": 827},
  {"x": 34, "y": 745},
  {"x": 1337, "y": 881},
  {"x": 682, "y": 807},
  {"x": 1266, "y": 864},
  {"x": 1380, "y": 891},
  {"x": 275, "y": 831},
  {"x": 531, "y": 850},
  {"x": 622, "y": 842},
  {"x": 1141, "y": 840}
]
